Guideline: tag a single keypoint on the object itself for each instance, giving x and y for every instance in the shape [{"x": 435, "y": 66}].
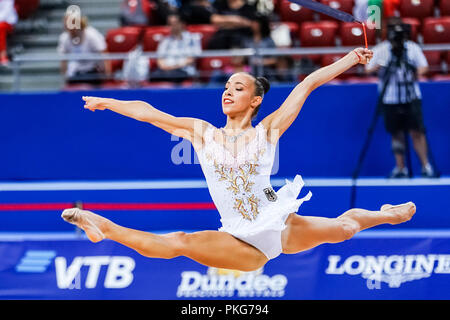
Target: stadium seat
[
  {"x": 436, "y": 30},
  {"x": 26, "y": 8},
  {"x": 415, "y": 27},
  {"x": 352, "y": 34},
  {"x": 204, "y": 30},
  {"x": 213, "y": 63},
  {"x": 444, "y": 7},
  {"x": 416, "y": 8},
  {"x": 153, "y": 35},
  {"x": 342, "y": 5},
  {"x": 122, "y": 40},
  {"x": 208, "y": 65},
  {"x": 292, "y": 12},
  {"x": 318, "y": 34},
  {"x": 434, "y": 59}
]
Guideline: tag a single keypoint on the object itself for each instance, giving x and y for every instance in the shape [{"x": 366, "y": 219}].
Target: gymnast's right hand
[{"x": 94, "y": 103}]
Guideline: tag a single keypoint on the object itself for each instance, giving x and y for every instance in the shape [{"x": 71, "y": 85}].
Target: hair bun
[{"x": 264, "y": 83}]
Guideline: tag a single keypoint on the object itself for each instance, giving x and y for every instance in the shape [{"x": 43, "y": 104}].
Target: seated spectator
[
  {"x": 261, "y": 39},
  {"x": 80, "y": 38},
  {"x": 8, "y": 18},
  {"x": 176, "y": 53},
  {"x": 135, "y": 12},
  {"x": 197, "y": 11},
  {"x": 235, "y": 27}
]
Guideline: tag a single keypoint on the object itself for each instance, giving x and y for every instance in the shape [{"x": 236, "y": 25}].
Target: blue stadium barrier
[{"x": 51, "y": 137}]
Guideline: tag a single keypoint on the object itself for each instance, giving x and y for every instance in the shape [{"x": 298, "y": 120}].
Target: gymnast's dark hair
[{"x": 262, "y": 86}]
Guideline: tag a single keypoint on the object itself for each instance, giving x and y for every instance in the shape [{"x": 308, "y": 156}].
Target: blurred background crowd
[{"x": 180, "y": 33}]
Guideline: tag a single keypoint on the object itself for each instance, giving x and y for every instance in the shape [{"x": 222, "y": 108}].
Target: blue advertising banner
[{"x": 370, "y": 266}]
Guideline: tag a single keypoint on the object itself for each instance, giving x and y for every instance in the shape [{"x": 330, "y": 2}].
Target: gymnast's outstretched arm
[
  {"x": 184, "y": 127},
  {"x": 281, "y": 119}
]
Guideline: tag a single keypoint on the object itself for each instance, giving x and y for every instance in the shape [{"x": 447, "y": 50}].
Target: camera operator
[{"x": 399, "y": 62}]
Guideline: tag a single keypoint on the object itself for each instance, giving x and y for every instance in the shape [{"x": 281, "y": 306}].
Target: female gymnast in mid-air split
[{"x": 258, "y": 223}]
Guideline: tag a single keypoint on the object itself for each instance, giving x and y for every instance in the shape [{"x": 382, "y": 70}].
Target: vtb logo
[{"x": 119, "y": 269}]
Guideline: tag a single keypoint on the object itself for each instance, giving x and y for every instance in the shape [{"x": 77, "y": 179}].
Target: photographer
[{"x": 399, "y": 63}]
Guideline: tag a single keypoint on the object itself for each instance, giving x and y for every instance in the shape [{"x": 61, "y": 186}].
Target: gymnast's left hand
[
  {"x": 94, "y": 103},
  {"x": 364, "y": 55}
]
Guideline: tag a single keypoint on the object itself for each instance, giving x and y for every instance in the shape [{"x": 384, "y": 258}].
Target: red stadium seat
[
  {"x": 210, "y": 64},
  {"x": 417, "y": 8},
  {"x": 436, "y": 30},
  {"x": 342, "y": 5},
  {"x": 26, "y": 8},
  {"x": 153, "y": 35},
  {"x": 122, "y": 40},
  {"x": 292, "y": 12},
  {"x": 415, "y": 27},
  {"x": 352, "y": 34},
  {"x": 204, "y": 30},
  {"x": 444, "y": 7},
  {"x": 434, "y": 59},
  {"x": 207, "y": 66},
  {"x": 318, "y": 34}
]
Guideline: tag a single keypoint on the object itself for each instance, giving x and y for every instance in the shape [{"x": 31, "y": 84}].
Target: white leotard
[{"x": 240, "y": 186}]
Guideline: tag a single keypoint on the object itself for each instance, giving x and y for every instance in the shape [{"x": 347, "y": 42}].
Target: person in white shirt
[
  {"x": 8, "y": 18},
  {"x": 176, "y": 53},
  {"x": 401, "y": 102},
  {"x": 80, "y": 38}
]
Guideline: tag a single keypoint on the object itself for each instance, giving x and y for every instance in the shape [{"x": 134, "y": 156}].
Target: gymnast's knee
[{"x": 347, "y": 228}]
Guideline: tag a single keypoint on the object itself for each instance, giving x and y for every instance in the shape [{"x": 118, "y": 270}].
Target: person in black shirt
[{"x": 234, "y": 26}]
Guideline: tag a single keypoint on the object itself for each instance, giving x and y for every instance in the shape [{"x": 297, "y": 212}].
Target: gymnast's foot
[
  {"x": 400, "y": 213},
  {"x": 90, "y": 222}
]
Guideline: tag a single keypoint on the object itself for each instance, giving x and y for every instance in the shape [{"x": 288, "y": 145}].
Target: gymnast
[{"x": 258, "y": 223}]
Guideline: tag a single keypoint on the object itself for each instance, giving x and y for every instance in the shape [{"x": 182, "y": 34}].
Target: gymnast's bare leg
[
  {"x": 210, "y": 248},
  {"x": 303, "y": 232},
  {"x": 220, "y": 249}
]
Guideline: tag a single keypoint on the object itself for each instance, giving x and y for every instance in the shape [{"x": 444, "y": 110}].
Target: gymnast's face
[{"x": 239, "y": 94}]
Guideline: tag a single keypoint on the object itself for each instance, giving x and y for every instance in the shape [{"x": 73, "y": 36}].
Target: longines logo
[{"x": 393, "y": 270}]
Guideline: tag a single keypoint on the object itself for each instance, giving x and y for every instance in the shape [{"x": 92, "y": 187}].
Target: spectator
[
  {"x": 399, "y": 62},
  {"x": 263, "y": 7},
  {"x": 8, "y": 18},
  {"x": 80, "y": 38},
  {"x": 176, "y": 53},
  {"x": 135, "y": 12},
  {"x": 235, "y": 27},
  {"x": 197, "y": 11},
  {"x": 261, "y": 39}
]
